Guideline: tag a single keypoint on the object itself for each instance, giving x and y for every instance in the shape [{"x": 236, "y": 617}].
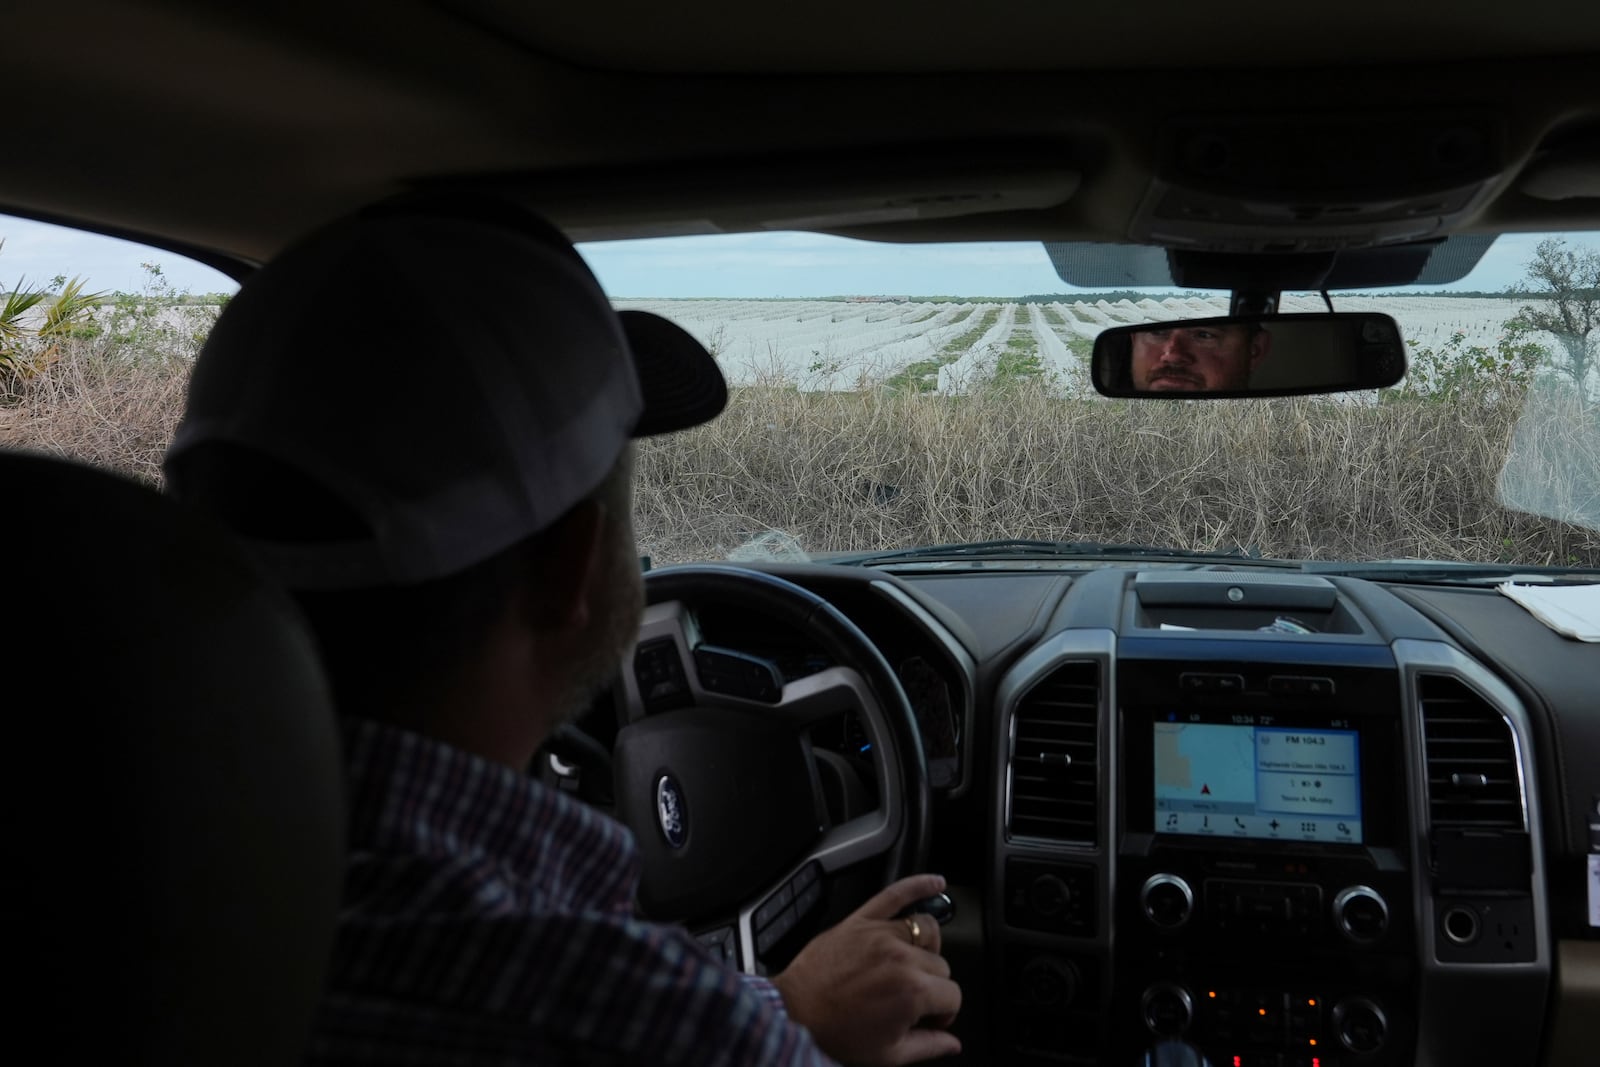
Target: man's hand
[{"x": 862, "y": 988}]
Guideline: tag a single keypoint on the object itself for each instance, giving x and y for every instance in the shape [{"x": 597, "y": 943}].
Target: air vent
[
  {"x": 1054, "y": 755},
  {"x": 1472, "y": 760}
]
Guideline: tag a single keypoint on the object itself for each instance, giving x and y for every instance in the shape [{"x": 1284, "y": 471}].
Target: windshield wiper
[{"x": 1024, "y": 548}]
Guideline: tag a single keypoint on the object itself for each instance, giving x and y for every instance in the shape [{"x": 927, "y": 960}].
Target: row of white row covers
[{"x": 833, "y": 344}]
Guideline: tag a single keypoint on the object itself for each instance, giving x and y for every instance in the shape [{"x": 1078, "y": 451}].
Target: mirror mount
[
  {"x": 1246, "y": 303},
  {"x": 1265, "y": 271}
]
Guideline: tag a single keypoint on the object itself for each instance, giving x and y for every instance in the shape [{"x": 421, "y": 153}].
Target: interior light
[
  {"x": 1238, "y": 1061},
  {"x": 1316, "y": 1061},
  {"x": 1212, "y": 994},
  {"x": 1313, "y": 1041},
  {"x": 1263, "y": 1011},
  {"x": 1312, "y": 1002}
]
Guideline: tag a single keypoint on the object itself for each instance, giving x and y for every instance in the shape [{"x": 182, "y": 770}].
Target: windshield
[
  {"x": 891, "y": 397},
  {"x": 935, "y": 400}
]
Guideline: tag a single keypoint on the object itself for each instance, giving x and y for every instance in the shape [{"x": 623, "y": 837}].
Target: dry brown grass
[
  {"x": 1295, "y": 478},
  {"x": 1298, "y": 478},
  {"x": 104, "y": 404}
]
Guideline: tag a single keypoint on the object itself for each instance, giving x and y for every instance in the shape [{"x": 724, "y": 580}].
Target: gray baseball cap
[{"x": 455, "y": 378}]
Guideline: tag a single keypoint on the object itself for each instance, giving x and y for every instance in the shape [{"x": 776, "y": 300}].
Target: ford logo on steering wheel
[{"x": 671, "y": 813}]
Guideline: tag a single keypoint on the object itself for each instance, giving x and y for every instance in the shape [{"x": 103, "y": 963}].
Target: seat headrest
[{"x": 172, "y": 802}]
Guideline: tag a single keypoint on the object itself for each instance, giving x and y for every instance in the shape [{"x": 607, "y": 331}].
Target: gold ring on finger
[{"x": 915, "y": 929}]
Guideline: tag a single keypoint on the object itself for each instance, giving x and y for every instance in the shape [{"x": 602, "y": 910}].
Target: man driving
[
  {"x": 1198, "y": 359},
  {"x": 444, "y": 480}
]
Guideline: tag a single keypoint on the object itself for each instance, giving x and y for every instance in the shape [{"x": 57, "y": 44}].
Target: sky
[{"x": 745, "y": 266}]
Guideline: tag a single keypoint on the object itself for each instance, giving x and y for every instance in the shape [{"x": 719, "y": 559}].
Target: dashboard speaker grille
[
  {"x": 1055, "y": 758},
  {"x": 1472, "y": 760}
]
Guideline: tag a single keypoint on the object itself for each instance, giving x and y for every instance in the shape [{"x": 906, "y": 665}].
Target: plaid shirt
[{"x": 488, "y": 919}]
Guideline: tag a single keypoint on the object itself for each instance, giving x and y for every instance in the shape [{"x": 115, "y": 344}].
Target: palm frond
[
  {"x": 69, "y": 309},
  {"x": 18, "y": 303}
]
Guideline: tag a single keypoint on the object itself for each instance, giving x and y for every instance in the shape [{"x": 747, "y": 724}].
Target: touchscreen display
[{"x": 1256, "y": 780}]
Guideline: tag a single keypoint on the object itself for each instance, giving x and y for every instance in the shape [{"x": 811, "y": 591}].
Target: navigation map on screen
[{"x": 1258, "y": 781}]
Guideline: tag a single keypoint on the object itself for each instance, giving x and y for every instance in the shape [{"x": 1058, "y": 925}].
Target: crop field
[
  {"x": 880, "y": 425},
  {"x": 951, "y": 346}
]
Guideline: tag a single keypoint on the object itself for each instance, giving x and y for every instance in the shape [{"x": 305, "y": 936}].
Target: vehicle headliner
[{"x": 228, "y": 132}]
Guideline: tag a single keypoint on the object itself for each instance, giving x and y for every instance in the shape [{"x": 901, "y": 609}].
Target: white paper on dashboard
[
  {"x": 1594, "y": 889},
  {"x": 1573, "y": 610},
  {"x": 1175, "y": 626}
]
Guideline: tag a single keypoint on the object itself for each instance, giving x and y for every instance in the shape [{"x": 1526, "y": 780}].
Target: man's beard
[{"x": 613, "y": 626}]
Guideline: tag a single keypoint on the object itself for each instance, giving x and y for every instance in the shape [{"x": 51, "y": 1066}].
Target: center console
[
  {"x": 1264, "y": 913},
  {"x": 1274, "y": 816}
]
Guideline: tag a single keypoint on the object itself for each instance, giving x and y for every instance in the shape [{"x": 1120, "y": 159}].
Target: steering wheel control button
[
  {"x": 1361, "y": 1025},
  {"x": 738, "y": 674},
  {"x": 782, "y": 911},
  {"x": 775, "y": 904},
  {"x": 1167, "y": 1009},
  {"x": 672, "y": 813},
  {"x": 1051, "y": 897},
  {"x": 1167, "y": 901},
  {"x": 807, "y": 889},
  {"x": 775, "y": 930},
  {"x": 722, "y": 944},
  {"x": 1361, "y": 914},
  {"x": 658, "y": 672}
]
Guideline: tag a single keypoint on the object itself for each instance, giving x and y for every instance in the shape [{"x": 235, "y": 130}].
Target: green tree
[{"x": 1570, "y": 310}]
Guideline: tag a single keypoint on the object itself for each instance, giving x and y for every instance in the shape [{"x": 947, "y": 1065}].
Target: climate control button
[
  {"x": 1167, "y": 1009},
  {"x": 1361, "y": 1025},
  {"x": 1166, "y": 900}
]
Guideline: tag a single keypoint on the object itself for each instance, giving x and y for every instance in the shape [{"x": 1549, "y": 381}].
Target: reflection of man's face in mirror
[{"x": 1197, "y": 359}]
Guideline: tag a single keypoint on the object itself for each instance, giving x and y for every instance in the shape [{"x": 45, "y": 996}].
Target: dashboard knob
[
  {"x": 1048, "y": 982},
  {"x": 1167, "y": 901},
  {"x": 1361, "y": 1025},
  {"x": 1167, "y": 1009},
  {"x": 1048, "y": 896},
  {"x": 1360, "y": 914}
]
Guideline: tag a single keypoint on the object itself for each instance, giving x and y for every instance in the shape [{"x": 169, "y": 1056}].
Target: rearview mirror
[{"x": 1251, "y": 355}]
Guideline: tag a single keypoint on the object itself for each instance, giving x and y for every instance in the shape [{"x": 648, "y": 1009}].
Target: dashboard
[{"x": 1361, "y": 839}]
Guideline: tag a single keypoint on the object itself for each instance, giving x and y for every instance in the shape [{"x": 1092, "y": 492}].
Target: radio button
[
  {"x": 1166, "y": 900},
  {"x": 1196, "y": 682},
  {"x": 1361, "y": 914}
]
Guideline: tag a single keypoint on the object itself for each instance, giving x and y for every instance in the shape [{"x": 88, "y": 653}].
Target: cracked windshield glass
[{"x": 895, "y": 397}]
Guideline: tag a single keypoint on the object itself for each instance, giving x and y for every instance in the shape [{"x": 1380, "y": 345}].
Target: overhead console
[
  {"x": 1313, "y": 183},
  {"x": 1274, "y": 815}
]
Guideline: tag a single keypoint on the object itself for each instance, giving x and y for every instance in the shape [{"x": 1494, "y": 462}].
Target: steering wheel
[{"x": 714, "y": 770}]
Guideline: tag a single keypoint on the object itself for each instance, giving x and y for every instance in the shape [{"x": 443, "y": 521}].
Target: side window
[{"x": 97, "y": 336}]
